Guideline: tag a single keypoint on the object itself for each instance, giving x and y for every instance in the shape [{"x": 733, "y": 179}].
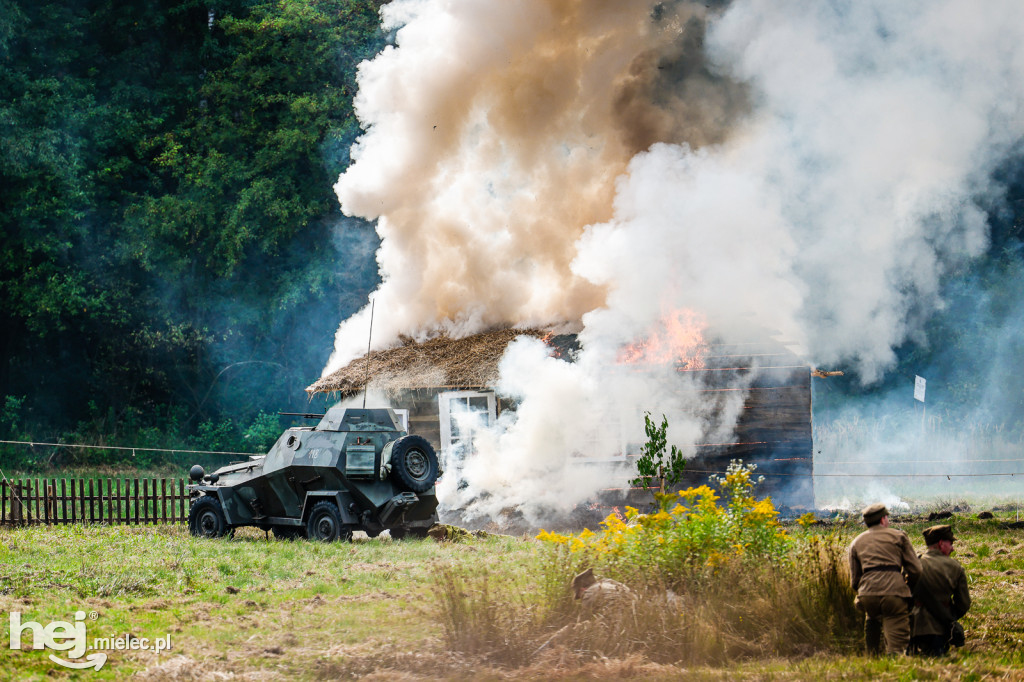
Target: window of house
[
  {"x": 462, "y": 413},
  {"x": 403, "y": 417}
]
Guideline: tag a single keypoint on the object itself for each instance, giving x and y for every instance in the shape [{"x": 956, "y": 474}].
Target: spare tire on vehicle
[{"x": 414, "y": 463}]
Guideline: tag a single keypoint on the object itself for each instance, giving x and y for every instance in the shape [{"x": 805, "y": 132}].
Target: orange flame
[
  {"x": 553, "y": 350},
  {"x": 678, "y": 339}
]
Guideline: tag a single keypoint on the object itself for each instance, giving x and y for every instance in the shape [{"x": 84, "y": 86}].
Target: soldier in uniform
[
  {"x": 596, "y": 594},
  {"x": 941, "y": 593},
  {"x": 882, "y": 563}
]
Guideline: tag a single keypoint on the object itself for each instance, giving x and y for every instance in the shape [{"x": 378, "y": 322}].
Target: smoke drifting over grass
[{"x": 810, "y": 168}]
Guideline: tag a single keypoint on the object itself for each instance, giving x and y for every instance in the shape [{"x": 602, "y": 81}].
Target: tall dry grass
[
  {"x": 711, "y": 578},
  {"x": 487, "y": 616},
  {"x": 737, "y": 609}
]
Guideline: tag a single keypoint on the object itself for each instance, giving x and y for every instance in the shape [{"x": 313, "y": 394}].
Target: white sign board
[{"x": 919, "y": 388}]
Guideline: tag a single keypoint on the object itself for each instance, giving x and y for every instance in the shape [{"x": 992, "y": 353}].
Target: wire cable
[
  {"x": 124, "y": 447},
  {"x": 695, "y": 471}
]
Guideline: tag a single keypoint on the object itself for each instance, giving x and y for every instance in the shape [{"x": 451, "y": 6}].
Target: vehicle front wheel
[
  {"x": 325, "y": 524},
  {"x": 206, "y": 518}
]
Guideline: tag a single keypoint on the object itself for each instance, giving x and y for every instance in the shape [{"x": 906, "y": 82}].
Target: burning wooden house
[{"x": 433, "y": 383}]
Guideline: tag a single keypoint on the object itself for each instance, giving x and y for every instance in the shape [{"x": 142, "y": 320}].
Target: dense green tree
[{"x": 170, "y": 240}]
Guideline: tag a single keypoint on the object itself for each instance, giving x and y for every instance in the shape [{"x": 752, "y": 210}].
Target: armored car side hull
[{"x": 356, "y": 470}]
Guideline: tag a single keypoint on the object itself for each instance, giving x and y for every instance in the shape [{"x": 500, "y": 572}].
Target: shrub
[
  {"x": 690, "y": 534},
  {"x": 10, "y": 416},
  {"x": 654, "y": 463},
  {"x": 263, "y": 432},
  {"x": 713, "y": 578}
]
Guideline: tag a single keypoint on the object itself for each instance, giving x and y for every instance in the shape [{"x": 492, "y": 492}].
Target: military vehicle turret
[{"x": 355, "y": 470}]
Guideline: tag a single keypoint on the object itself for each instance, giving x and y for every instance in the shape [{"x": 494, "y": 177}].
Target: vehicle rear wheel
[
  {"x": 206, "y": 518},
  {"x": 289, "y": 532},
  {"x": 414, "y": 463},
  {"x": 325, "y": 524}
]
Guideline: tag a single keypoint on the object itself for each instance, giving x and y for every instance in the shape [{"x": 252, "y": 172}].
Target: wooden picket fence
[{"x": 101, "y": 500}]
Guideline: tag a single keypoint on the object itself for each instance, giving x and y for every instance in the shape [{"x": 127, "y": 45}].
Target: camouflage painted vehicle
[{"x": 355, "y": 470}]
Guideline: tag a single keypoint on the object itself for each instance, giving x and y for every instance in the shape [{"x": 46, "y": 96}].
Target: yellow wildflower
[
  {"x": 806, "y": 520},
  {"x": 612, "y": 521}
]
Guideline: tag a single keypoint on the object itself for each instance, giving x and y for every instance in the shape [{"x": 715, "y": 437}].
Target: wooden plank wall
[
  {"x": 774, "y": 428},
  {"x": 100, "y": 500}
]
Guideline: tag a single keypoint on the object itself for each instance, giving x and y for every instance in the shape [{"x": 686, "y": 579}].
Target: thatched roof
[{"x": 442, "y": 362}]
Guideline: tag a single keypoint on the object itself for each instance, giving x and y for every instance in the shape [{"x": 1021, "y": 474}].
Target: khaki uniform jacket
[
  {"x": 944, "y": 578},
  {"x": 876, "y": 558},
  {"x": 605, "y": 593}
]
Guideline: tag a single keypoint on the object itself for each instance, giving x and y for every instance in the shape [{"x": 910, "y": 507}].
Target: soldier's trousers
[
  {"x": 892, "y": 615},
  {"x": 931, "y": 645}
]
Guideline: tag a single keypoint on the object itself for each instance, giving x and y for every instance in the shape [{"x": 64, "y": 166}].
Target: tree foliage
[{"x": 170, "y": 239}]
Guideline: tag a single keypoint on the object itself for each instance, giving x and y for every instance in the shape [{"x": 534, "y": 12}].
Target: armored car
[{"x": 355, "y": 470}]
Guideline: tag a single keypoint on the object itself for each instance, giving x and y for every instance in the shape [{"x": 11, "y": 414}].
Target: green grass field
[{"x": 253, "y": 608}]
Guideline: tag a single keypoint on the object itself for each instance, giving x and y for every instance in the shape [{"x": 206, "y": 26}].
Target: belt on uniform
[{"x": 883, "y": 568}]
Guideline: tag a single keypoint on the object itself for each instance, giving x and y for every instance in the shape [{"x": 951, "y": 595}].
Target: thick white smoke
[
  {"x": 495, "y": 134},
  {"x": 533, "y": 162}
]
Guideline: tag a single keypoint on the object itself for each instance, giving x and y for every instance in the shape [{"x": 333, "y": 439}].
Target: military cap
[
  {"x": 874, "y": 513},
  {"x": 935, "y": 533},
  {"x": 582, "y": 581}
]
